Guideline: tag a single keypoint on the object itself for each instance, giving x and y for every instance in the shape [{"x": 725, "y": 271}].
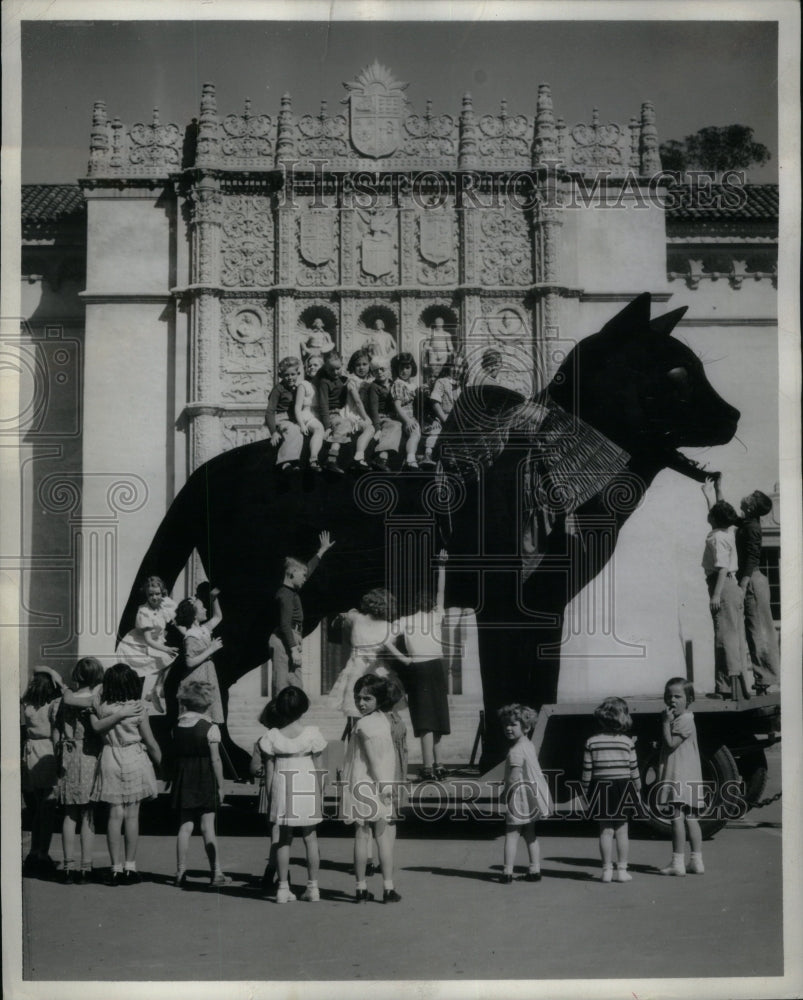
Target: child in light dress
[
  {"x": 38, "y": 705},
  {"x": 125, "y": 774},
  {"x": 369, "y": 628},
  {"x": 680, "y": 777},
  {"x": 525, "y": 790},
  {"x": 304, "y": 410},
  {"x": 294, "y": 777},
  {"x": 200, "y": 646},
  {"x": 357, "y": 381},
  {"x": 78, "y": 748},
  {"x": 369, "y": 773},
  {"x": 404, "y": 392},
  {"x": 197, "y": 779},
  {"x": 612, "y": 784},
  {"x": 145, "y": 648}
]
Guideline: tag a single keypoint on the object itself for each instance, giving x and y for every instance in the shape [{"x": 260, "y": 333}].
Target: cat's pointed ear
[
  {"x": 633, "y": 320},
  {"x": 664, "y": 325}
]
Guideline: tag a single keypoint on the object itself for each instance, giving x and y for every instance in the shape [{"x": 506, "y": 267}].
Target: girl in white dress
[
  {"x": 305, "y": 415},
  {"x": 369, "y": 773},
  {"x": 369, "y": 629},
  {"x": 294, "y": 776},
  {"x": 145, "y": 648}
]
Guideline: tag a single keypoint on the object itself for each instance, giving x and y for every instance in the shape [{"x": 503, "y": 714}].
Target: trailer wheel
[
  {"x": 753, "y": 768},
  {"x": 718, "y": 766}
]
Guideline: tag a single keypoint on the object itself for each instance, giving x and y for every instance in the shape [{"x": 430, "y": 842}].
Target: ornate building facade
[{"x": 215, "y": 246}]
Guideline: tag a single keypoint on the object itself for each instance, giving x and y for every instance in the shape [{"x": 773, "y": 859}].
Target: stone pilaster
[
  {"x": 467, "y": 150},
  {"x": 650, "y": 159},
  {"x": 208, "y": 145},
  {"x": 545, "y": 146},
  {"x": 98, "y": 139}
]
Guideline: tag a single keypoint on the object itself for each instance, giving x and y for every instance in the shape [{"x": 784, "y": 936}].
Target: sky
[{"x": 696, "y": 73}]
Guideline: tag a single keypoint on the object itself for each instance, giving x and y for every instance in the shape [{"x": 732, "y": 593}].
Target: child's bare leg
[
  {"x": 622, "y": 842},
  {"x": 362, "y": 841},
  {"x": 533, "y": 851},
  {"x": 87, "y": 813},
  {"x": 511, "y": 846},
  {"x": 427, "y": 750},
  {"x": 210, "y": 841},
  {"x": 695, "y": 834},
  {"x": 385, "y": 836},
  {"x": 316, "y": 439},
  {"x": 606, "y": 849},
  {"x": 47, "y": 818},
  {"x": 114, "y": 836},
  {"x": 183, "y": 840},
  {"x": 362, "y": 442},
  {"x": 283, "y": 852},
  {"x": 678, "y": 832},
  {"x": 436, "y": 738},
  {"x": 413, "y": 437},
  {"x": 313, "y": 854},
  {"x": 131, "y": 832},
  {"x": 71, "y": 819}
]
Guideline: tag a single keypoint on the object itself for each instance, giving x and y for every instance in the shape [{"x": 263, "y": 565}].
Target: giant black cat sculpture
[{"x": 529, "y": 503}]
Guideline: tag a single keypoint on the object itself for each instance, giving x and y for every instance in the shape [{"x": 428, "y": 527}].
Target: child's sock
[
  {"x": 607, "y": 873},
  {"x": 622, "y": 874},
  {"x": 696, "y": 866},
  {"x": 70, "y": 866},
  {"x": 387, "y": 883},
  {"x": 117, "y": 868},
  {"x": 535, "y": 869},
  {"x": 361, "y": 885},
  {"x": 130, "y": 866},
  {"x": 508, "y": 870},
  {"x": 86, "y": 866},
  {"x": 677, "y": 866}
]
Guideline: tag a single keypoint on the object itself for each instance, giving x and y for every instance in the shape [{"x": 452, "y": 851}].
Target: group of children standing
[{"x": 377, "y": 403}]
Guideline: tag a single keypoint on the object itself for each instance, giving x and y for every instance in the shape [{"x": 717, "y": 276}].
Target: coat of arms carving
[
  {"x": 317, "y": 236},
  {"x": 376, "y": 249},
  {"x": 435, "y": 237},
  {"x": 376, "y": 111}
]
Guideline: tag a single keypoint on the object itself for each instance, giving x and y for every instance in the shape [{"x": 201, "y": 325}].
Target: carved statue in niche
[
  {"x": 376, "y": 249},
  {"x": 436, "y": 351},
  {"x": 379, "y": 343},
  {"x": 315, "y": 341}
]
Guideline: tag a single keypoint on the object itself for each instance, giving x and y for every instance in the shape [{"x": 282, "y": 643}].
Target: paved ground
[{"x": 455, "y": 920}]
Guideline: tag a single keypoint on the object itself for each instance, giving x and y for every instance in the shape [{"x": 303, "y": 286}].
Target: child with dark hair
[
  {"x": 526, "y": 792},
  {"x": 197, "y": 778},
  {"x": 38, "y": 706},
  {"x": 382, "y": 411},
  {"x": 357, "y": 383},
  {"x": 295, "y": 781},
  {"x": 145, "y": 648},
  {"x": 612, "y": 784},
  {"x": 285, "y": 641},
  {"x": 258, "y": 769},
  {"x": 342, "y": 411},
  {"x": 720, "y": 565},
  {"x": 680, "y": 776},
  {"x": 762, "y": 639},
  {"x": 404, "y": 392},
  {"x": 77, "y": 751},
  {"x": 442, "y": 398},
  {"x": 369, "y": 773},
  {"x": 368, "y": 628},
  {"x": 285, "y": 434},
  {"x": 423, "y": 672},
  {"x": 125, "y": 774},
  {"x": 200, "y": 646}
]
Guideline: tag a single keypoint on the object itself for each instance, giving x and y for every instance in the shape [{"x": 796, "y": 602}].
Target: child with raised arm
[
  {"x": 612, "y": 784},
  {"x": 200, "y": 646},
  {"x": 145, "y": 648},
  {"x": 125, "y": 774},
  {"x": 285, "y": 433},
  {"x": 680, "y": 776},
  {"x": 285, "y": 641},
  {"x": 423, "y": 672}
]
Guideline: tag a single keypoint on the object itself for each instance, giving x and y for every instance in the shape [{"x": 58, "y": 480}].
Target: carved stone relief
[
  {"x": 378, "y": 242},
  {"x": 247, "y": 241},
  {"x": 505, "y": 254},
  {"x": 246, "y": 360},
  {"x": 316, "y": 262},
  {"x": 437, "y": 241}
]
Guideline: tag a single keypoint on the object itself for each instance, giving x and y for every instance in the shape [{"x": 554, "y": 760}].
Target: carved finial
[
  {"x": 634, "y": 161},
  {"x": 247, "y": 108},
  {"x": 594, "y": 117},
  {"x": 428, "y": 111},
  {"x": 648, "y": 147},
  {"x": 467, "y": 149},
  {"x": 155, "y": 118},
  {"x": 207, "y": 145},
  {"x": 503, "y": 108},
  {"x": 98, "y": 137},
  {"x": 545, "y": 146},
  {"x": 285, "y": 134},
  {"x": 324, "y": 106}
]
